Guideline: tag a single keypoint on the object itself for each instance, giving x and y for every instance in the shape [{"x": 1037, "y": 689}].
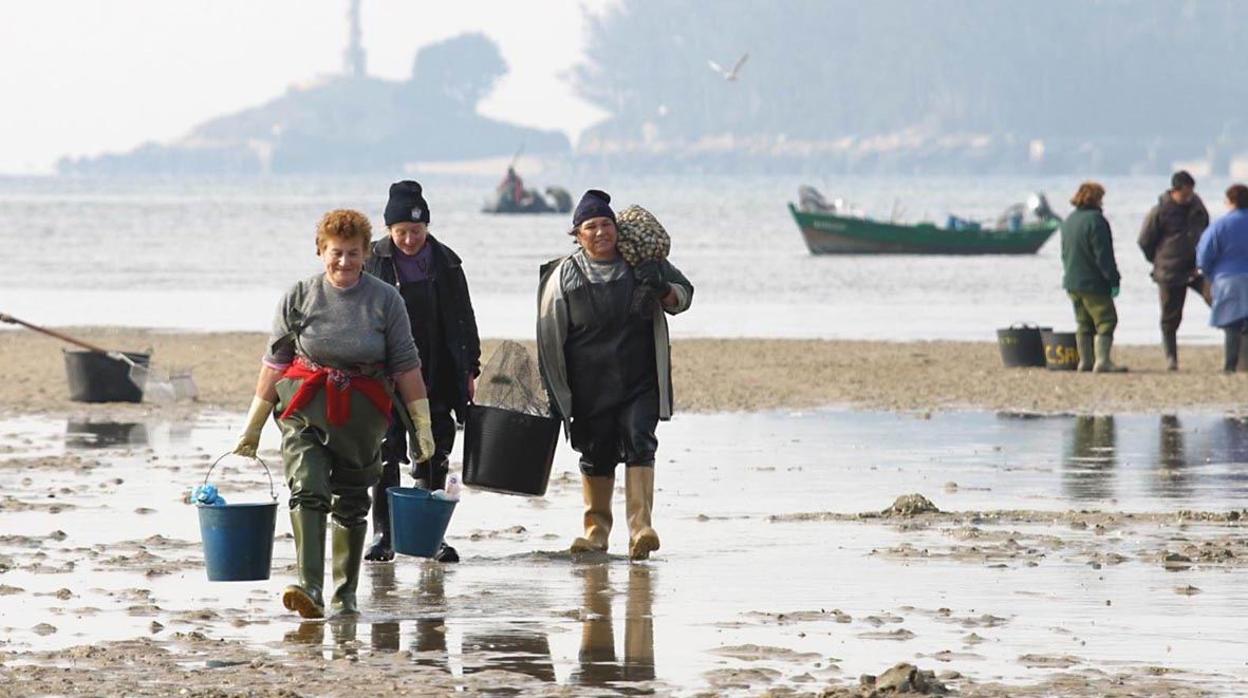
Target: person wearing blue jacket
[{"x": 1222, "y": 256}]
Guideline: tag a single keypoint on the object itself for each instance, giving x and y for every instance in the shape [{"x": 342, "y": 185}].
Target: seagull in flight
[{"x": 729, "y": 75}]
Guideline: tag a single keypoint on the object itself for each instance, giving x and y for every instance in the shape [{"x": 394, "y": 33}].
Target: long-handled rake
[{"x": 155, "y": 384}]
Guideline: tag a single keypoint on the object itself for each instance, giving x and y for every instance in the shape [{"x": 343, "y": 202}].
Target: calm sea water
[{"x": 213, "y": 254}]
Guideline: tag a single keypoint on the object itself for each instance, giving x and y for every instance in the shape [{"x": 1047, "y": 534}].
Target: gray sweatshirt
[{"x": 343, "y": 328}]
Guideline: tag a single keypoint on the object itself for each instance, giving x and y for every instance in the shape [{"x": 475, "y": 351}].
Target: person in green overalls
[
  {"x": 340, "y": 345},
  {"x": 1091, "y": 279},
  {"x": 430, "y": 278},
  {"x": 606, "y": 361}
]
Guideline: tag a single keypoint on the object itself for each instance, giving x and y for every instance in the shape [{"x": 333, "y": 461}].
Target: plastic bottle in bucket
[
  {"x": 238, "y": 538},
  {"x": 418, "y": 520}
]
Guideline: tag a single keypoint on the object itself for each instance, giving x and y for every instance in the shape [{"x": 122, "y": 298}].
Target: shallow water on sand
[{"x": 735, "y": 597}]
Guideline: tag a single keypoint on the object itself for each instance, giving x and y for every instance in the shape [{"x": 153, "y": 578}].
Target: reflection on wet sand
[
  {"x": 1171, "y": 478},
  {"x": 80, "y": 434},
  {"x": 1229, "y": 445},
  {"x": 598, "y": 665},
  {"x": 1088, "y": 468},
  {"x": 516, "y": 650},
  {"x": 385, "y": 634},
  {"x": 428, "y": 646},
  {"x": 518, "y": 618},
  {"x": 310, "y": 633}
]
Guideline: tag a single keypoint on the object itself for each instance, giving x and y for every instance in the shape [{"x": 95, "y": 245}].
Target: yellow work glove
[
  {"x": 257, "y": 414},
  {"x": 422, "y": 450}
]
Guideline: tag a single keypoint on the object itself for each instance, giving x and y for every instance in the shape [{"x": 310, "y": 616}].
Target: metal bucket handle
[{"x": 272, "y": 491}]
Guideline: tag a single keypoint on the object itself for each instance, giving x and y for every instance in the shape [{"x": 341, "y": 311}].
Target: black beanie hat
[
  {"x": 406, "y": 205},
  {"x": 1181, "y": 179},
  {"x": 595, "y": 203}
]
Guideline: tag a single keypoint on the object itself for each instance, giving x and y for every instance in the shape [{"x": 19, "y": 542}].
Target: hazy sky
[{"x": 88, "y": 76}]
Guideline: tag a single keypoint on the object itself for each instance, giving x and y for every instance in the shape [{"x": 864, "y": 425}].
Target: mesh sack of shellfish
[{"x": 641, "y": 236}]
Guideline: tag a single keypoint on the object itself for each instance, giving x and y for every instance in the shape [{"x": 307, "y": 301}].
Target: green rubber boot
[
  {"x": 348, "y": 555},
  {"x": 1104, "y": 364},
  {"x": 305, "y": 598},
  {"x": 1083, "y": 343}
]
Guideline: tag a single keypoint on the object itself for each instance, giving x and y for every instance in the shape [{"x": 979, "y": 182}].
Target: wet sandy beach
[
  {"x": 1089, "y": 555},
  {"x": 711, "y": 375}
]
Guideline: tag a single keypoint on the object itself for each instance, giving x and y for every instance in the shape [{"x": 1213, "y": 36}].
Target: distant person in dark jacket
[
  {"x": 1091, "y": 278},
  {"x": 430, "y": 278},
  {"x": 1223, "y": 257},
  {"x": 1168, "y": 238}
]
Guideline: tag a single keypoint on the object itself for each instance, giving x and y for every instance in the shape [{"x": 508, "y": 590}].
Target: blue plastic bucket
[
  {"x": 238, "y": 538},
  {"x": 238, "y": 541},
  {"x": 418, "y": 520}
]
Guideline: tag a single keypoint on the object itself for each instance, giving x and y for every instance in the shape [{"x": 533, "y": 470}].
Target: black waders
[{"x": 381, "y": 549}]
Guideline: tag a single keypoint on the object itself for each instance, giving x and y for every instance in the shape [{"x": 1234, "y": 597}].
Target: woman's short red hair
[{"x": 346, "y": 225}]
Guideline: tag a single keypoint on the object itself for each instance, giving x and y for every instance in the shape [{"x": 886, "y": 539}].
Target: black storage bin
[
  {"x": 508, "y": 452},
  {"x": 94, "y": 377},
  {"x": 1021, "y": 346}
]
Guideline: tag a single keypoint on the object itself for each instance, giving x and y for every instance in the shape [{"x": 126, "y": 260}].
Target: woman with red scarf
[{"x": 341, "y": 344}]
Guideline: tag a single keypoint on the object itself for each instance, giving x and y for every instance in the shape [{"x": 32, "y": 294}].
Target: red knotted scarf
[{"x": 338, "y": 385}]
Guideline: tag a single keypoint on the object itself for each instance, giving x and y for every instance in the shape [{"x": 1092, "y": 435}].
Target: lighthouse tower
[{"x": 353, "y": 57}]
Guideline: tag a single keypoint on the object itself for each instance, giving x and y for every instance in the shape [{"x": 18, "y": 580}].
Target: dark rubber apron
[{"x": 610, "y": 351}]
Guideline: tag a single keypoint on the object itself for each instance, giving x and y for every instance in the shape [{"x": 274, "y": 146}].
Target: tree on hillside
[
  {"x": 826, "y": 68},
  {"x": 458, "y": 72}
]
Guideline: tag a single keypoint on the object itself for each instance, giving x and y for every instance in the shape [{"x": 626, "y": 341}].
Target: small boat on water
[
  {"x": 1021, "y": 229},
  {"x": 555, "y": 200},
  {"x": 511, "y": 196}
]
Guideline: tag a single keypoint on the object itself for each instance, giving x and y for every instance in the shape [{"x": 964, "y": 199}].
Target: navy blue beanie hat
[
  {"x": 595, "y": 203},
  {"x": 406, "y": 204}
]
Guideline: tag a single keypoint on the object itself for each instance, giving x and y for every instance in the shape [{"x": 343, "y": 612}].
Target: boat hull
[{"x": 830, "y": 234}]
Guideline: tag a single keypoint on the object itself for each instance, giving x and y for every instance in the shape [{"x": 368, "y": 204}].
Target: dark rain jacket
[
  {"x": 459, "y": 322},
  {"x": 1088, "y": 263},
  {"x": 552, "y": 332},
  {"x": 1169, "y": 237}
]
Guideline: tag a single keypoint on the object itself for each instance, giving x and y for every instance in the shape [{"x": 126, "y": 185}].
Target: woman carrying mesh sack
[{"x": 605, "y": 358}]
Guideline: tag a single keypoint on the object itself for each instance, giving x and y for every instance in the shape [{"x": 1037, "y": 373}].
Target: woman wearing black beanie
[
  {"x": 606, "y": 361},
  {"x": 430, "y": 277}
]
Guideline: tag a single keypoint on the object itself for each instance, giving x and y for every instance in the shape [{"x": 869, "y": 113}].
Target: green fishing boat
[{"x": 828, "y": 232}]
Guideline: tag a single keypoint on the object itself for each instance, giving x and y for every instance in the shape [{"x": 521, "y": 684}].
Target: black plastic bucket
[
  {"x": 507, "y": 451},
  {"x": 1061, "y": 353},
  {"x": 94, "y": 377},
  {"x": 1021, "y": 346}
]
